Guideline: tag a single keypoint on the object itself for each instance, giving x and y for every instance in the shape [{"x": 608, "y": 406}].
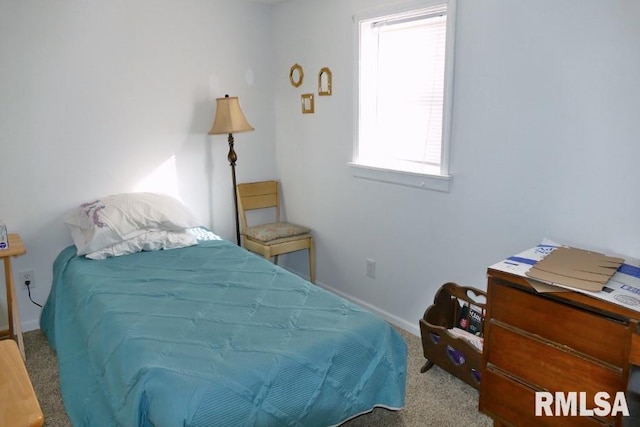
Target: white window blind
[{"x": 401, "y": 111}]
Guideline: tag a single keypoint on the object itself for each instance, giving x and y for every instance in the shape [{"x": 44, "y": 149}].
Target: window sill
[{"x": 408, "y": 179}]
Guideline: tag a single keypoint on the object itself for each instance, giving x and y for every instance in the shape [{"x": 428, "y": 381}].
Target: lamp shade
[{"x": 229, "y": 117}]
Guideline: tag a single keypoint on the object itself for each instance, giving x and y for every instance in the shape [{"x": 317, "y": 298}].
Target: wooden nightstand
[{"x": 16, "y": 248}]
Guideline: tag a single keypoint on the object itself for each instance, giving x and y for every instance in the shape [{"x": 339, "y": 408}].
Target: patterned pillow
[
  {"x": 119, "y": 217},
  {"x": 275, "y": 230}
]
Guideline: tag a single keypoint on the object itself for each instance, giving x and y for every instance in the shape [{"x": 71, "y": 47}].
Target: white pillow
[
  {"x": 120, "y": 217},
  {"x": 147, "y": 241}
]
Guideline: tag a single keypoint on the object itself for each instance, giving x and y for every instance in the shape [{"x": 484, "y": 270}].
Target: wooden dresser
[{"x": 554, "y": 342}]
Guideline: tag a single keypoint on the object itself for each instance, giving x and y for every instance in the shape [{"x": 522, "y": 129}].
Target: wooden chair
[
  {"x": 276, "y": 238},
  {"x": 18, "y": 402}
]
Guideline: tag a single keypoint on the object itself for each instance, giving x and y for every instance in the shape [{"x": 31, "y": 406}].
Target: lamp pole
[{"x": 233, "y": 157}]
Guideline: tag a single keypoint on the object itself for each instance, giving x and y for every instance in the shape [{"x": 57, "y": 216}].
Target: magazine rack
[{"x": 457, "y": 356}]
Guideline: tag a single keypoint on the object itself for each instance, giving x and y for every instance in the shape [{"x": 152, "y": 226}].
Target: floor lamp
[{"x": 230, "y": 119}]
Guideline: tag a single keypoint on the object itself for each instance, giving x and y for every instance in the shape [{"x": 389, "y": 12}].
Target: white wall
[
  {"x": 545, "y": 144},
  {"x": 96, "y": 95}
]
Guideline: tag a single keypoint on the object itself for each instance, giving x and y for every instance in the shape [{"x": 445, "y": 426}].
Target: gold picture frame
[
  {"x": 307, "y": 103},
  {"x": 324, "y": 82},
  {"x": 296, "y": 75}
]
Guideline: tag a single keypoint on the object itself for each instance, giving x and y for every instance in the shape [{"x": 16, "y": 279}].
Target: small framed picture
[
  {"x": 307, "y": 103},
  {"x": 324, "y": 82},
  {"x": 296, "y": 75}
]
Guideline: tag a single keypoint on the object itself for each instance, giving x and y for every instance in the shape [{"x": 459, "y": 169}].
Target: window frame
[{"x": 433, "y": 181}]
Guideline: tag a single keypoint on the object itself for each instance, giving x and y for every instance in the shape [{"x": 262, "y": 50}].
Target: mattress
[{"x": 213, "y": 335}]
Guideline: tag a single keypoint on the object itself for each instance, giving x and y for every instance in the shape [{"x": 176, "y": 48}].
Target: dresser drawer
[
  {"x": 634, "y": 351},
  {"x": 506, "y": 399},
  {"x": 569, "y": 326},
  {"x": 546, "y": 367}
]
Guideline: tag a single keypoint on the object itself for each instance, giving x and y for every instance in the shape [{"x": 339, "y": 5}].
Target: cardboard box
[{"x": 577, "y": 268}]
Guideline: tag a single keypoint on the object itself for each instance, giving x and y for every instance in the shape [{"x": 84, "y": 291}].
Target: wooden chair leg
[
  {"x": 275, "y": 260},
  {"x": 312, "y": 263}
]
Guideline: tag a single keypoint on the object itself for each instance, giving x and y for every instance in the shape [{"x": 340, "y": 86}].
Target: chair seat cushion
[{"x": 275, "y": 231}]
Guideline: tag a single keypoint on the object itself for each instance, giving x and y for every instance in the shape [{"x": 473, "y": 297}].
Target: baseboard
[
  {"x": 394, "y": 320},
  {"x": 27, "y": 325},
  {"x": 30, "y": 325}
]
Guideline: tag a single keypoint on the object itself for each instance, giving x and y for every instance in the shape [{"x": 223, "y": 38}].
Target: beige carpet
[{"x": 434, "y": 398}]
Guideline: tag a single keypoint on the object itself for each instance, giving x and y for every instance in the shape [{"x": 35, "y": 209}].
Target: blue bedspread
[{"x": 212, "y": 335}]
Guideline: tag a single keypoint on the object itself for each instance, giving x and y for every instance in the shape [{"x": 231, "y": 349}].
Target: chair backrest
[{"x": 257, "y": 195}]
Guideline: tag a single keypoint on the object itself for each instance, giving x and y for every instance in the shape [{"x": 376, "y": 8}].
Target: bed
[{"x": 210, "y": 334}]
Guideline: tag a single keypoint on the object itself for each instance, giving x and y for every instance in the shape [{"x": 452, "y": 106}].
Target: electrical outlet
[
  {"x": 371, "y": 268},
  {"x": 27, "y": 276}
]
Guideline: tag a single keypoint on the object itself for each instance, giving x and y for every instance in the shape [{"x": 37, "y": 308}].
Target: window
[{"x": 404, "y": 93}]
